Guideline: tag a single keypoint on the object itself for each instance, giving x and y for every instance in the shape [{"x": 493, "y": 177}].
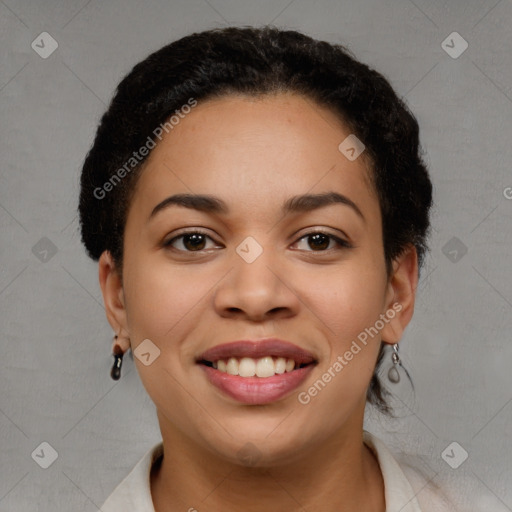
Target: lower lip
[{"x": 257, "y": 390}]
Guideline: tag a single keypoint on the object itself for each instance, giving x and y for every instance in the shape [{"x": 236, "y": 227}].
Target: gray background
[{"x": 55, "y": 341}]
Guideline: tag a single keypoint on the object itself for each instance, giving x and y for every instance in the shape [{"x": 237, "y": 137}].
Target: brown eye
[
  {"x": 318, "y": 241},
  {"x": 321, "y": 242},
  {"x": 192, "y": 241}
]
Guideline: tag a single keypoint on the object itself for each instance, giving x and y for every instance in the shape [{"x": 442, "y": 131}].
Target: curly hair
[{"x": 255, "y": 62}]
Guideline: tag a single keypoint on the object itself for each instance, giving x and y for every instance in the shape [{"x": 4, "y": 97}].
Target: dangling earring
[
  {"x": 393, "y": 373},
  {"x": 115, "y": 373}
]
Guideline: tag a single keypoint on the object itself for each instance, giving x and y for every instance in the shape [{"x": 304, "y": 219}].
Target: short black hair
[{"x": 255, "y": 62}]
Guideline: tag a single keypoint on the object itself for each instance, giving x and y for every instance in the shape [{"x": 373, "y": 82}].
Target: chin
[{"x": 256, "y": 443}]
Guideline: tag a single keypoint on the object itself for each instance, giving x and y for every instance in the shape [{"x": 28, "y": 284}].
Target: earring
[
  {"x": 393, "y": 373},
  {"x": 115, "y": 373}
]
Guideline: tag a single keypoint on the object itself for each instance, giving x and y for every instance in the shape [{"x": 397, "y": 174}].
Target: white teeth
[
  {"x": 265, "y": 367},
  {"x": 232, "y": 366},
  {"x": 248, "y": 367},
  {"x": 280, "y": 365}
]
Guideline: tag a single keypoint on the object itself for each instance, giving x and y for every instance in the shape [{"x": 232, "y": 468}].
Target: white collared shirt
[{"x": 405, "y": 489}]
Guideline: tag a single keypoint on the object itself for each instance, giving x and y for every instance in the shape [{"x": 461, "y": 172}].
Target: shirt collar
[{"x": 134, "y": 492}]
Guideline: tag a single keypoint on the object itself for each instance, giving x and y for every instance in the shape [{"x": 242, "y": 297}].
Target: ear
[
  {"x": 113, "y": 298},
  {"x": 400, "y": 295}
]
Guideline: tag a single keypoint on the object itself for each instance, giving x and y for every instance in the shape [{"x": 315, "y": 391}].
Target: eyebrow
[{"x": 296, "y": 204}]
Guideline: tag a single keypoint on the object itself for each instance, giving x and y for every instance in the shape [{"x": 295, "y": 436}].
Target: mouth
[
  {"x": 256, "y": 372},
  {"x": 263, "y": 367}
]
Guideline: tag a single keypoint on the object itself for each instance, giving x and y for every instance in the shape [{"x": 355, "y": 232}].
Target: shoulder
[
  {"x": 407, "y": 488},
  {"x": 431, "y": 497},
  {"x": 134, "y": 491},
  {"x": 454, "y": 490}
]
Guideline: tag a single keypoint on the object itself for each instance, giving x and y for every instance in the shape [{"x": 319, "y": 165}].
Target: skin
[{"x": 254, "y": 153}]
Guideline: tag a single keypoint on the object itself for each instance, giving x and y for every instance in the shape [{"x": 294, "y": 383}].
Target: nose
[{"x": 256, "y": 291}]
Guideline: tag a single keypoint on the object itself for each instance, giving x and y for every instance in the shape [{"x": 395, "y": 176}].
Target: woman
[{"x": 259, "y": 209}]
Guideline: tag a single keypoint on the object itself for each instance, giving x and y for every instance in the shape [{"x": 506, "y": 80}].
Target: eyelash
[{"x": 343, "y": 244}]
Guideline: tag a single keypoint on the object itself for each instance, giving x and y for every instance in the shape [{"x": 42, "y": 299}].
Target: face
[{"x": 295, "y": 279}]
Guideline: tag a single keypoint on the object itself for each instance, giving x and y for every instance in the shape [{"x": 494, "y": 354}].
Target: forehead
[{"x": 257, "y": 149}]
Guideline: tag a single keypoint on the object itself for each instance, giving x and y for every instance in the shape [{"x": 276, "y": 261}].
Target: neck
[{"x": 341, "y": 475}]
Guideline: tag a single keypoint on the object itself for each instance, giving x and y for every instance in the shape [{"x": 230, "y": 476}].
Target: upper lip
[{"x": 257, "y": 349}]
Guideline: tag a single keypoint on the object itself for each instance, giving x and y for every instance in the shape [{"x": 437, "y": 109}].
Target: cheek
[
  {"x": 159, "y": 296},
  {"x": 349, "y": 305},
  {"x": 347, "y": 299},
  {"x": 160, "y": 304}
]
